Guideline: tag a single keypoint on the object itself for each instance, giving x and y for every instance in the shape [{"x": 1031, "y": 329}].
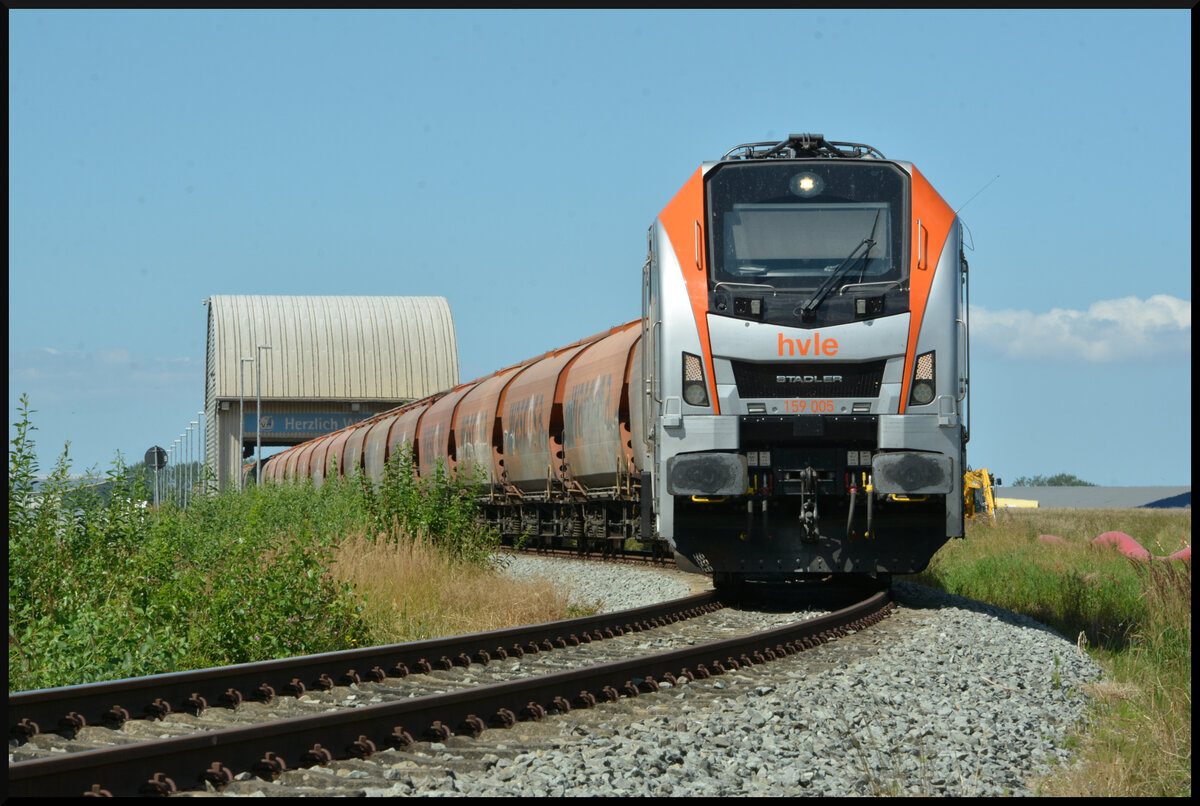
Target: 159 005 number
[{"x": 808, "y": 406}]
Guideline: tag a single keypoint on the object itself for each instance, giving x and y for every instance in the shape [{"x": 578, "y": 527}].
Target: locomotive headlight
[
  {"x": 695, "y": 390},
  {"x": 807, "y": 184},
  {"x": 695, "y": 393},
  {"x": 924, "y": 387}
]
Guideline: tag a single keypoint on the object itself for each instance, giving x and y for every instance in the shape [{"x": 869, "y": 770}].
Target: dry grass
[{"x": 413, "y": 592}]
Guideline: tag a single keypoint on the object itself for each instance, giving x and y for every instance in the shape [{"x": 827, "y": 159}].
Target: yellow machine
[{"x": 977, "y": 492}]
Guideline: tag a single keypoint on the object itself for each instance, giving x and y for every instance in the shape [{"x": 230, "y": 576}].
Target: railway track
[{"x": 259, "y": 694}]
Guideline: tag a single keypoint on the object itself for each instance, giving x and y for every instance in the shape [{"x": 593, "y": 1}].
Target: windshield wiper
[{"x": 808, "y": 309}]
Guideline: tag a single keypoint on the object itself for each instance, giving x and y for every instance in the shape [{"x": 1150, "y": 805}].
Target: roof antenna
[{"x": 985, "y": 187}]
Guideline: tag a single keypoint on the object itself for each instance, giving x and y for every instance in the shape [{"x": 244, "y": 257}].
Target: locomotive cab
[{"x": 808, "y": 246}]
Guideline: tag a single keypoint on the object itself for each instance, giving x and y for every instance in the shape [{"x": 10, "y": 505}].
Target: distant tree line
[{"x": 1058, "y": 480}]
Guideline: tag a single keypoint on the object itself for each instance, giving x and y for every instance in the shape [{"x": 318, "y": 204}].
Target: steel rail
[
  {"x": 153, "y": 767},
  {"x": 72, "y": 707}
]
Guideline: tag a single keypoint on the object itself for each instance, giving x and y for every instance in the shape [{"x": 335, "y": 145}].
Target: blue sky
[{"x": 512, "y": 162}]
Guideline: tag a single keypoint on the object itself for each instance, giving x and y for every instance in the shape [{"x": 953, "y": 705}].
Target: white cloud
[{"x": 1126, "y": 329}]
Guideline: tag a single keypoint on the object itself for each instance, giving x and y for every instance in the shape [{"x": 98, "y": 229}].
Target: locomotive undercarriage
[
  {"x": 602, "y": 521},
  {"x": 811, "y": 508},
  {"x": 783, "y": 536}
]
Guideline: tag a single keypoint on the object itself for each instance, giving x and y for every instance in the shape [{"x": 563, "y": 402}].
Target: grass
[{"x": 1133, "y": 616}]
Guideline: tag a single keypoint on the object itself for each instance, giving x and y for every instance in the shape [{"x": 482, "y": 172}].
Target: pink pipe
[
  {"x": 1125, "y": 544},
  {"x": 1131, "y": 548},
  {"x": 1184, "y": 553}
]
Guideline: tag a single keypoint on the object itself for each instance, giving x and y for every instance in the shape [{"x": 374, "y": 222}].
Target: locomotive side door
[{"x": 650, "y": 391}]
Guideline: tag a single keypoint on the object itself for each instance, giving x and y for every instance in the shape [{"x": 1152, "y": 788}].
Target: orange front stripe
[
  {"x": 680, "y": 219},
  {"x": 935, "y": 217}
]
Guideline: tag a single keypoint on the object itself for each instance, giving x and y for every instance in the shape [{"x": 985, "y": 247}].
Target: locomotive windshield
[{"x": 792, "y": 225}]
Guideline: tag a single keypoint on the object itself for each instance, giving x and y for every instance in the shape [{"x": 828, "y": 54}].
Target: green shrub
[
  {"x": 101, "y": 586},
  {"x": 441, "y": 509}
]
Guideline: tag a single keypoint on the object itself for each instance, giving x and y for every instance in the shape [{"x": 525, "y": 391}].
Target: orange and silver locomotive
[
  {"x": 792, "y": 402},
  {"x": 805, "y": 323}
]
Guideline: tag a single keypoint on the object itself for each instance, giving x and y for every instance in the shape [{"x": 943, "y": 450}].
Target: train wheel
[{"x": 728, "y": 584}]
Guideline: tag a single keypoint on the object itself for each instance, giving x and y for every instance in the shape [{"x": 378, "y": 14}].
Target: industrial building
[
  {"x": 331, "y": 362},
  {"x": 1098, "y": 497}
]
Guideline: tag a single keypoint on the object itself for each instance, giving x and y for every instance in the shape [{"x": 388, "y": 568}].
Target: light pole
[
  {"x": 201, "y": 448},
  {"x": 192, "y": 469},
  {"x": 178, "y": 486},
  {"x": 258, "y": 421},
  {"x": 187, "y": 473},
  {"x": 192, "y": 430},
  {"x": 170, "y": 471},
  {"x": 183, "y": 468},
  {"x": 242, "y": 422},
  {"x": 187, "y": 462}
]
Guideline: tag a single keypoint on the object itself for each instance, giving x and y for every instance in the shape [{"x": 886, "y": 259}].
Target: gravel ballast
[
  {"x": 954, "y": 697},
  {"x": 611, "y": 586}
]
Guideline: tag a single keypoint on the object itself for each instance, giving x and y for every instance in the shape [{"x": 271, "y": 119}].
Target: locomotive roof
[{"x": 801, "y": 146}]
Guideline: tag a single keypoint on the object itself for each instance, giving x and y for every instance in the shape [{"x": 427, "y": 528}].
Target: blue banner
[{"x": 302, "y": 423}]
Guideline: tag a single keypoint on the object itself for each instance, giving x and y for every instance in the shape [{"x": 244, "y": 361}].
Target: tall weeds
[{"x": 439, "y": 510}]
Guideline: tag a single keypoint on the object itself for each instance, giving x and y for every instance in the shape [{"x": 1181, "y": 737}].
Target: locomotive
[{"x": 792, "y": 402}]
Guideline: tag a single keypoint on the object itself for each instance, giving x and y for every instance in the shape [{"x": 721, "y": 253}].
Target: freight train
[{"x": 792, "y": 402}]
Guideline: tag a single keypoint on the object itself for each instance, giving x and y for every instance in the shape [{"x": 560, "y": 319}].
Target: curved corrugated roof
[{"x": 330, "y": 348}]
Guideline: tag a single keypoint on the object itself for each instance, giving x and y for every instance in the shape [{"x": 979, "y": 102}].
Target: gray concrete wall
[{"x": 1101, "y": 497}]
